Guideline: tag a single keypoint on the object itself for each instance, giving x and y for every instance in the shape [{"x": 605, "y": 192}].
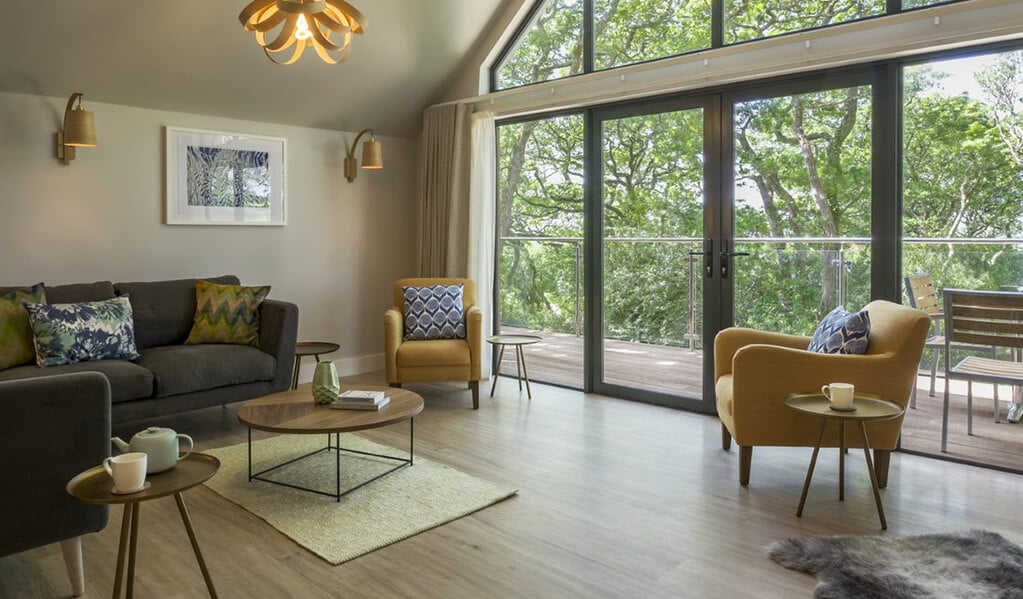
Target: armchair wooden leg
[
  {"x": 726, "y": 438},
  {"x": 745, "y": 459},
  {"x": 475, "y": 386},
  {"x": 882, "y": 458},
  {"x": 72, "y": 550},
  {"x": 395, "y": 385}
]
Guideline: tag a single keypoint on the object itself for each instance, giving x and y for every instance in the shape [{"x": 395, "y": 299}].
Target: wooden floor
[
  {"x": 558, "y": 359},
  {"x": 617, "y": 499}
]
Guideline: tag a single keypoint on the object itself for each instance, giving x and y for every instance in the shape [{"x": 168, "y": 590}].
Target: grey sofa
[
  {"x": 52, "y": 428},
  {"x": 170, "y": 377}
]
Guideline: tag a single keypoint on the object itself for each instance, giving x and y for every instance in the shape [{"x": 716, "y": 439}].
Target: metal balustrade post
[{"x": 578, "y": 282}]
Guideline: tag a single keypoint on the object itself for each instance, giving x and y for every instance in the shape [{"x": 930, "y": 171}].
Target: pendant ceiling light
[{"x": 281, "y": 24}]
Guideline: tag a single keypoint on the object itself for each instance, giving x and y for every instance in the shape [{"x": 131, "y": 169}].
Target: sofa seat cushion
[
  {"x": 181, "y": 369},
  {"x": 127, "y": 381},
  {"x": 435, "y": 352}
]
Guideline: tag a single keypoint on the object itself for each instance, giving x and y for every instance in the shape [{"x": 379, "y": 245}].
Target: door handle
[
  {"x": 726, "y": 256},
  {"x": 708, "y": 254}
]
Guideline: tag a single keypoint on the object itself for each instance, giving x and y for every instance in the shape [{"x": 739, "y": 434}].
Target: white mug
[
  {"x": 839, "y": 394},
  {"x": 128, "y": 471}
]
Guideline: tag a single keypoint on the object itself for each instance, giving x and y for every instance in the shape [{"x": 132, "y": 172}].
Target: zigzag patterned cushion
[
  {"x": 226, "y": 314},
  {"x": 16, "y": 344},
  {"x": 80, "y": 332},
  {"x": 433, "y": 312},
  {"x": 842, "y": 332}
]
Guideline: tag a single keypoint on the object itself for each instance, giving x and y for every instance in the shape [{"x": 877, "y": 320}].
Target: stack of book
[{"x": 361, "y": 400}]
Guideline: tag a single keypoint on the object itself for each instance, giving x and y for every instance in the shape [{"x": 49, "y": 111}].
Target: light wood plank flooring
[{"x": 617, "y": 499}]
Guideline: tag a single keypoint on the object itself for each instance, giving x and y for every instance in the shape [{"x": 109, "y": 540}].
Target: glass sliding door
[
  {"x": 801, "y": 186},
  {"x": 540, "y": 244},
  {"x": 651, "y": 212}
]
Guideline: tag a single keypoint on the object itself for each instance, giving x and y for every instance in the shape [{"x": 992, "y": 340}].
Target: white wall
[{"x": 101, "y": 218}]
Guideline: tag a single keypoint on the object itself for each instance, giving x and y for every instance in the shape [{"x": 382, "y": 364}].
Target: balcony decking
[{"x": 558, "y": 359}]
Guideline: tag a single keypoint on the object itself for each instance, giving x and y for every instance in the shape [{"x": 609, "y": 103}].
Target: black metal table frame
[{"x": 336, "y": 446}]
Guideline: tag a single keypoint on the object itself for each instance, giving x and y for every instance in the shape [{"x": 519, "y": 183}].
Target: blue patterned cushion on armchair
[
  {"x": 842, "y": 332},
  {"x": 433, "y": 312}
]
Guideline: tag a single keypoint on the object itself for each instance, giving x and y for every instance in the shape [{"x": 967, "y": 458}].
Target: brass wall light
[
  {"x": 282, "y": 24},
  {"x": 372, "y": 155},
  {"x": 79, "y": 129}
]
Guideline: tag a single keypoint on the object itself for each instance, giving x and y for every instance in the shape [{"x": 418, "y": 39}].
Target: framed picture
[{"x": 217, "y": 178}]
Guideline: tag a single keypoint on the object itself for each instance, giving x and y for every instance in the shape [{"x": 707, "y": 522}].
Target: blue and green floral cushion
[
  {"x": 16, "y": 346},
  {"x": 842, "y": 332},
  {"x": 71, "y": 333},
  {"x": 434, "y": 312}
]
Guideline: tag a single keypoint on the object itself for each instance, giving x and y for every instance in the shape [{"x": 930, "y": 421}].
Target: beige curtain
[{"x": 443, "y": 206}]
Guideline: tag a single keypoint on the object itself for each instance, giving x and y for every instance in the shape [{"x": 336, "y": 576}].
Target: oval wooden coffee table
[{"x": 295, "y": 413}]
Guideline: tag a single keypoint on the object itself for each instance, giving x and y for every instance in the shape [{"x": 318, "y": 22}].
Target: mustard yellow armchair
[
  {"x": 435, "y": 359},
  {"x": 755, "y": 370}
]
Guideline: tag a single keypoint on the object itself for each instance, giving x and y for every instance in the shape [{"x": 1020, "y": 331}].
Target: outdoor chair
[
  {"x": 924, "y": 296},
  {"x": 426, "y": 360},
  {"x": 983, "y": 319},
  {"x": 756, "y": 370}
]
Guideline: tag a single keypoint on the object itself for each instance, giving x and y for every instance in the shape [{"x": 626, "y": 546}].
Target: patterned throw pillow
[
  {"x": 434, "y": 312},
  {"x": 842, "y": 332},
  {"x": 71, "y": 333},
  {"x": 226, "y": 314},
  {"x": 16, "y": 345}
]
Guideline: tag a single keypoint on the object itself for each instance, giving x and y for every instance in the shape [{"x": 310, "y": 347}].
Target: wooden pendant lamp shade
[{"x": 282, "y": 24}]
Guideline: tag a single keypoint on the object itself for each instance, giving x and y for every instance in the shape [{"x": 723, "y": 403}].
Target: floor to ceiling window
[{"x": 630, "y": 232}]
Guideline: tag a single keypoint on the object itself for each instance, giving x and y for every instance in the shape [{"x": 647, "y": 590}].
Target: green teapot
[{"x": 160, "y": 446}]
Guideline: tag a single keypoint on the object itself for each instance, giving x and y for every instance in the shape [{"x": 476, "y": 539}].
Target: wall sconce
[
  {"x": 79, "y": 130},
  {"x": 372, "y": 155}
]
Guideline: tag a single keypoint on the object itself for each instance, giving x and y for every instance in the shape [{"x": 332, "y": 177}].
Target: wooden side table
[
  {"x": 867, "y": 408},
  {"x": 520, "y": 358},
  {"x": 96, "y": 486},
  {"x": 310, "y": 348}
]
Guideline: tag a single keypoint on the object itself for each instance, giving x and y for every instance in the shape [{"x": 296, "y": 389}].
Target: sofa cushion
[
  {"x": 226, "y": 314},
  {"x": 186, "y": 368},
  {"x": 436, "y": 352},
  {"x": 16, "y": 343},
  {"x": 164, "y": 310},
  {"x": 127, "y": 381},
  {"x": 71, "y": 333},
  {"x": 80, "y": 292}
]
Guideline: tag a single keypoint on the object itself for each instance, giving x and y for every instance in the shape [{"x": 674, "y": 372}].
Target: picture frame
[{"x": 222, "y": 178}]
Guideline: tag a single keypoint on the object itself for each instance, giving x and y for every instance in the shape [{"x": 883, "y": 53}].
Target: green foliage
[{"x": 802, "y": 169}]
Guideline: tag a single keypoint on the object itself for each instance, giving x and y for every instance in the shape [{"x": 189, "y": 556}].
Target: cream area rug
[{"x": 402, "y": 504}]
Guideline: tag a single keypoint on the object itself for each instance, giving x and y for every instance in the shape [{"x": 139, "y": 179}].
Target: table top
[
  {"x": 315, "y": 348},
  {"x": 514, "y": 339},
  {"x": 868, "y": 407},
  {"x": 95, "y": 485},
  {"x": 295, "y": 412}
]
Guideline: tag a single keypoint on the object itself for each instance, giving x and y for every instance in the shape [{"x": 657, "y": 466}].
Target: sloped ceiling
[{"x": 193, "y": 56}]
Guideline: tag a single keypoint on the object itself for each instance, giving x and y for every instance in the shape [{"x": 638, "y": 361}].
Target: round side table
[
  {"x": 310, "y": 348},
  {"x": 95, "y": 486},
  {"x": 520, "y": 358},
  {"x": 865, "y": 408}
]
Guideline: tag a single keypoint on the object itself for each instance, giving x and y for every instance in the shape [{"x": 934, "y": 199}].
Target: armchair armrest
[
  {"x": 763, "y": 375},
  {"x": 53, "y": 427},
  {"x": 392, "y": 339},
  {"x": 731, "y": 340},
  {"x": 278, "y": 333},
  {"x": 474, "y": 337}
]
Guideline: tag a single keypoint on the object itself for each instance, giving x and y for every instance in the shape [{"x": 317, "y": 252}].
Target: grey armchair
[{"x": 53, "y": 427}]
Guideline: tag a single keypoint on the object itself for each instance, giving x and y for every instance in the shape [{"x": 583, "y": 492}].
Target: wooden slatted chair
[
  {"x": 924, "y": 296},
  {"x": 981, "y": 318}
]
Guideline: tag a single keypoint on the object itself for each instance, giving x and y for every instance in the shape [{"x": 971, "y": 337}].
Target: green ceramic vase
[{"x": 326, "y": 383}]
